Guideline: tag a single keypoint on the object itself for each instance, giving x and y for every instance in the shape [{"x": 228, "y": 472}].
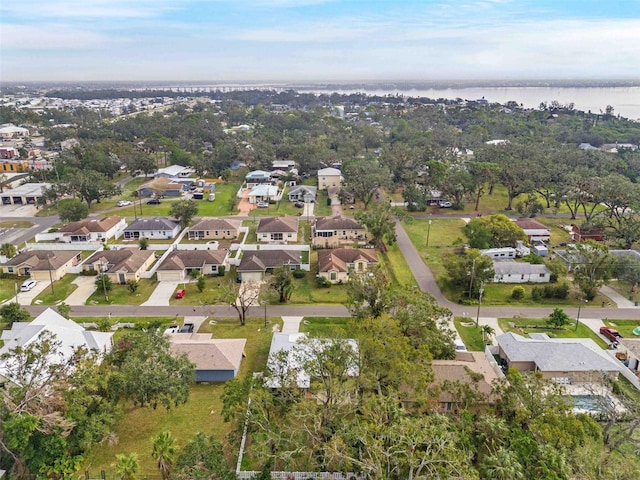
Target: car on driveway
[
  {"x": 263, "y": 205},
  {"x": 299, "y": 204},
  {"x": 28, "y": 285},
  {"x": 187, "y": 328},
  {"x": 153, "y": 201},
  {"x": 446, "y": 204},
  {"x": 124, "y": 203},
  {"x": 610, "y": 333},
  {"x": 180, "y": 293}
]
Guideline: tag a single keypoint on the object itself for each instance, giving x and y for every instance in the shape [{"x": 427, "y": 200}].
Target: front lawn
[
  {"x": 524, "y": 326},
  {"x": 202, "y": 413},
  {"x": 213, "y": 292},
  {"x": 120, "y": 294},
  {"x": 61, "y": 290},
  {"x": 396, "y": 264},
  {"x": 307, "y": 291},
  {"x": 325, "y": 327},
  {"x": 9, "y": 285},
  {"x": 16, "y": 224},
  {"x": 625, "y": 327},
  {"x": 470, "y": 334}
]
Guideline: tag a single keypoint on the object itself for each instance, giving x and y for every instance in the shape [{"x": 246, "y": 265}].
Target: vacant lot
[{"x": 524, "y": 326}]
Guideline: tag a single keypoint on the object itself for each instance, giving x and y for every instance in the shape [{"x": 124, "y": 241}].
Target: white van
[
  {"x": 459, "y": 345},
  {"x": 28, "y": 285}
]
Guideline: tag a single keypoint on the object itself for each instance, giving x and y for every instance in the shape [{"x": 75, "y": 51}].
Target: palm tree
[
  {"x": 164, "y": 450},
  {"x": 503, "y": 465},
  {"x": 487, "y": 332},
  {"x": 127, "y": 466}
]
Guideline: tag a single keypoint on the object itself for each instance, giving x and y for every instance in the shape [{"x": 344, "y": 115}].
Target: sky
[{"x": 318, "y": 40}]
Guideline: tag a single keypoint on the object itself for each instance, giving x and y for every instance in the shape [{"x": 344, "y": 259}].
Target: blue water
[{"x": 590, "y": 403}]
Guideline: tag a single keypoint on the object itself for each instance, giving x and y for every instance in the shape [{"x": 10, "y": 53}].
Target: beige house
[
  {"x": 255, "y": 264},
  {"x": 278, "y": 229},
  {"x": 337, "y": 264},
  {"x": 336, "y": 231},
  {"x": 179, "y": 264},
  {"x": 42, "y": 264},
  {"x": 461, "y": 370},
  {"x": 215, "y": 229},
  {"x": 120, "y": 265},
  {"x": 92, "y": 230},
  {"x": 562, "y": 360},
  {"x": 329, "y": 177}
]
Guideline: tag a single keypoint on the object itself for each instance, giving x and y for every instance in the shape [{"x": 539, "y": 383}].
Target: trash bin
[{"x": 636, "y": 304}]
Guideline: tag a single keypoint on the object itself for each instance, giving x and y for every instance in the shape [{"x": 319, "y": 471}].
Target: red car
[
  {"x": 180, "y": 293},
  {"x": 610, "y": 333}
]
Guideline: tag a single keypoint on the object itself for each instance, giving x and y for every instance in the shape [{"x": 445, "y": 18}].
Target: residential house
[
  {"x": 215, "y": 229},
  {"x": 339, "y": 230},
  {"x": 8, "y": 153},
  {"x": 255, "y": 264},
  {"x": 263, "y": 193},
  {"x": 215, "y": 359},
  {"x": 534, "y": 230},
  {"x": 25, "y": 194},
  {"x": 468, "y": 368},
  {"x": 337, "y": 264},
  {"x": 42, "y": 264},
  {"x": 179, "y": 264},
  {"x": 329, "y": 177},
  {"x": 68, "y": 333},
  {"x": 510, "y": 271},
  {"x": 298, "y": 349},
  {"x": 500, "y": 253},
  {"x": 162, "y": 187},
  {"x": 257, "y": 177},
  {"x": 152, "y": 228},
  {"x": 9, "y": 131},
  {"x": 582, "y": 234},
  {"x": 173, "y": 171},
  {"x": 92, "y": 230},
  {"x": 562, "y": 360},
  {"x": 302, "y": 193},
  {"x": 278, "y": 229},
  {"x": 283, "y": 164},
  {"x": 120, "y": 265}
]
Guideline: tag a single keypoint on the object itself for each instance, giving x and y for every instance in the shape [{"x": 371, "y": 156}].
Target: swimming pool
[{"x": 590, "y": 403}]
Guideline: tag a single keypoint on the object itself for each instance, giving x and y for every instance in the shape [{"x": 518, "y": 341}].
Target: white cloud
[{"x": 51, "y": 37}]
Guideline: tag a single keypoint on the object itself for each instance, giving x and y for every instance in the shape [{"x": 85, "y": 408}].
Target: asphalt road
[{"x": 18, "y": 236}]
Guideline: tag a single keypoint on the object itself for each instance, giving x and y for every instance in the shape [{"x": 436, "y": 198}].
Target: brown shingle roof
[
  {"x": 530, "y": 224},
  {"x": 339, "y": 258},
  {"x": 459, "y": 370},
  {"x": 339, "y": 222},
  {"x": 286, "y": 224},
  {"x": 126, "y": 259},
  {"x": 260, "y": 260},
  {"x": 181, "y": 259},
  {"x": 38, "y": 260},
  {"x": 207, "y": 353},
  {"x": 208, "y": 224},
  {"x": 83, "y": 227}
]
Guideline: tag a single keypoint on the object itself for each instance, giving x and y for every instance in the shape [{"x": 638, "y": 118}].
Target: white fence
[
  {"x": 94, "y": 246},
  {"x": 251, "y": 247}
]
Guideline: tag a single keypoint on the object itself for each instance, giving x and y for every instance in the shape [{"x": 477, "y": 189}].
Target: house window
[
  {"x": 9, "y": 269},
  {"x": 542, "y": 275},
  {"x": 215, "y": 233},
  {"x": 522, "y": 277},
  {"x": 289, "y": 235},
  {"x": 276, "y": 236},
  {"x": 360, "y": 266},
  {"x": 333, "y": 276}
]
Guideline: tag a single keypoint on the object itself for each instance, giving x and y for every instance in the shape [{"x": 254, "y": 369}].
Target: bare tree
[{"x": 242, "y": 296}]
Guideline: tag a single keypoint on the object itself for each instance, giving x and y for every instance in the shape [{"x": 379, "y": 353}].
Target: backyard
[
  {"x": 524, "y": 326},
  {"x": 470, "y": 334}
]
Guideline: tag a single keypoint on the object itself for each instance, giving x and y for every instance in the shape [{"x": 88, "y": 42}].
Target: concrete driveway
[
  {"x": 86, "y": 286},
  {"x": 162, "y": 294},
  {"x": 25, "y": 298}
]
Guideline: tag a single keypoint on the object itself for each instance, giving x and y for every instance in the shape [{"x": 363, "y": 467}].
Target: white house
[
  {"x": 534, "y": 230},
  {"x": 92, "y": 229},
  {"x": 257, "y": 177},
  {"x": 175, "y": 171},
  {"x": 152, "y": 228},
  {"x": 329, "y": 177},
  {"x": 263, "y": 193},
  {"x": 508, "y": 271},
  {"x": 500, "y": 253}
]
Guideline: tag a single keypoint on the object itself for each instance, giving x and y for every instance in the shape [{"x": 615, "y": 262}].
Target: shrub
[
  {"x": 221, "y": 270},
  {"x": 562, "y": 290},
  {"x": 533, "y": 259},
  {"x": 322, "y": 282},
  {"x": 549, "y": 291},
  {"x": 299, "y": 273},
  {"x": 536, "y": 293},
  {"x": 517, "y": 293}
]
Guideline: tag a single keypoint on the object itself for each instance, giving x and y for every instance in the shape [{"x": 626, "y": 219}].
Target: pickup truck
[{"x": 610, "y": 333}]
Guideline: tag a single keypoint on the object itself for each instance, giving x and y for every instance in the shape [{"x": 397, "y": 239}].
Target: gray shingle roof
[
  {"x": 151, "y": 224},
  {"x": 339, "y": 258},
  {"x": 260, "y": 260},
  {"x": 556, "y": 354},
  {"x": 208, "y": 224},
  {"x": 124, "y": 260},
  {"x": 181, "y": 259},
  {"x": 506, "y": 267},
  {"x": 339, "y": 222},
  {"x": 285, "y": 224},
  {"x": 38, "y": 260}
]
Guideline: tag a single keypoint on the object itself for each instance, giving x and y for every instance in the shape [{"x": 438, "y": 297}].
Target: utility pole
[{"x": 473, "y": 272}]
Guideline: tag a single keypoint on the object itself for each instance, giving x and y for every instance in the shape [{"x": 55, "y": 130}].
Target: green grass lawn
[
  {"x": 321, "y": 209},
  {"x": 470, "y": 335},
  {"x": 213, "y": 292},
  {"x": 120, "y": 294},
  {"x": 397, "y": 265},
  {"x": 307, "y": 291},
  {"x": 325, "y": 326},
  {"x": 567, "y": 332},
  {"x": 61, "y": 290},
  {"x": 200, "y": 413},
  {"x": 16, "y": 224},
  {"x": 625, "y": 327},
  {"x": 9, "y": 285}
]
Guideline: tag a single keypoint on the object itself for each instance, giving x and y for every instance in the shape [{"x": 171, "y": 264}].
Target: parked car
[
  {"x": 180, "y": 293},
  {"x": 172, "y": 329},
  {"x": 299, "y": 204},
  {"x": 446, "y": 204},
  {"x": 153, "y": 201},
  {"x": 28, "y": 285},
  {"x": 610, "y": 333},
  {"x": 124, "y": 203},
  {"x": 263, "y": 205},
  {"x": 187, "y": 328}
]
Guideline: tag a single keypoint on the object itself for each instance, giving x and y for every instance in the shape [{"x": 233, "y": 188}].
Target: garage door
[
  {"x": 251, "y": 276},
  {"x": 170, "y": 275},
  {"x": 42, "y": 275}
]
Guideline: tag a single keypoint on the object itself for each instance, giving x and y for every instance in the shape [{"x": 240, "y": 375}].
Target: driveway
[
  {"x": 25, "y": 298},
  {"x": 162, "y": 294},
  {"x": 86, "y": 286}
]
